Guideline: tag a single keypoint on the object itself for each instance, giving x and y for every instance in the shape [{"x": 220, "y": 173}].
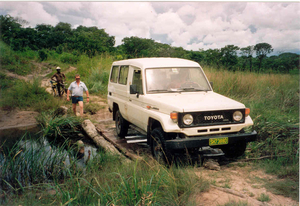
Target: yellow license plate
[{"x": 218, "y": 141}]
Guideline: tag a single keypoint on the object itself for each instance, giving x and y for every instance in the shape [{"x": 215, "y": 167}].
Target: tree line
[{"x": 92, "y": 41}]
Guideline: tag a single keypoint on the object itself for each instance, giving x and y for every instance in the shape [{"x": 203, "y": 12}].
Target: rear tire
[
  {"x": 121, "y": 125},
  {"x": 158, "y": 147}
]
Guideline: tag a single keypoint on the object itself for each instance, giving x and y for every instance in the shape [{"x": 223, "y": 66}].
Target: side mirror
[
  {"x": 133, "y": 89},
  {"x": 211, "y": 84}
]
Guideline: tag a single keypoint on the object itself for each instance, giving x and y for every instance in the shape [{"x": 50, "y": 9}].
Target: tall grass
[
  {"x": 58, "y": 128},
  {"x": 17, "y": 62},
  {"x": 22, "y": 94},
  {"x": 30, "y": 162},
  {"x": 274, "y": 103},
  {"x": 105, "y": 180}
]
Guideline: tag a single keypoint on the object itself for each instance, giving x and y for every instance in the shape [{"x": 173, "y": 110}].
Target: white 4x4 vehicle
[{"x": 173, "y": 102}]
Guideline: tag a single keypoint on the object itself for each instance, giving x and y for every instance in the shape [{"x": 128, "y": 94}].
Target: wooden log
[
  {"x": 91, "y": 131},
  {"x": 120, "y": 148},
  {"x": 261, "y": 158},
  {"x": 230, "y": 191}
]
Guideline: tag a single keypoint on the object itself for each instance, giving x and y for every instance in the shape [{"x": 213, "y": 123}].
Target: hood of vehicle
[{"x": 194, "y": 101}]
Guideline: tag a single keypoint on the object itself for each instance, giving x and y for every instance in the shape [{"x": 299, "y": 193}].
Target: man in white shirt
[{"x": 77, "y": 87}]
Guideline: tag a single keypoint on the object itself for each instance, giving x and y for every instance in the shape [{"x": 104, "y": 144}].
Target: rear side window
[
  {"x": 114, "y": 74},
  {"x": 123, "y": 74}
]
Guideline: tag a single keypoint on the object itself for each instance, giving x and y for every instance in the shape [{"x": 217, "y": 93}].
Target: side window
[
  {"x": 123, "y": 74},
  {"x": 137, "y": 80},
  {"x": 114, "y": 74}
]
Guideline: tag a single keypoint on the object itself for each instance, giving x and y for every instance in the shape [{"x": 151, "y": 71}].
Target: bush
[
  {"x": 27, "y": 95},
  {"x": 59, "y": 49},
  {"x": 43, "y": 54},
  {"x": 92, "y": 108},
  {"x": 98, "y": 81},
  {"x": 69, "y": 58},
  {"x": 57, "y": 127}
]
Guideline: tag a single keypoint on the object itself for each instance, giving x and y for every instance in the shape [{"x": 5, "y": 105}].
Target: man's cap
[{"x": 57, "y": 67}]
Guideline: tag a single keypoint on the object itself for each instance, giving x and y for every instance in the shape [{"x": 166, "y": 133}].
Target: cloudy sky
[{"x": 191, "y": 25}]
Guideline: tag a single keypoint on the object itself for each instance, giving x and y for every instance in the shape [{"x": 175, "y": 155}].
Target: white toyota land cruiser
[{"x": 173, "y": 102}]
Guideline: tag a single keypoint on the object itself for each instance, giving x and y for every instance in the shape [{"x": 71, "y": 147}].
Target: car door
[{"x": 135, "y": 100}]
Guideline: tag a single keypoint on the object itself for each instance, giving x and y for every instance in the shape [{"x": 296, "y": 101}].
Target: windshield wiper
[
  {"x": 191, "y": 88},
  {"x": 158, "y": 90}
]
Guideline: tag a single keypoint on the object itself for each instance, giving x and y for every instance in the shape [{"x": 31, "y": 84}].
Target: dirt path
[
  {"x": 246, "y": 183},
  {"x": 18, "y": 118}
]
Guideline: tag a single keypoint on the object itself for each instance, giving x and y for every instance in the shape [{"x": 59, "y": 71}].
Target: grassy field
[
  {"x": 274, "y": 103},
  {"x": 272, "y": 98}
]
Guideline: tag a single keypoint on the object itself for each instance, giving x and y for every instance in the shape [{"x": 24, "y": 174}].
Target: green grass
[
  {"x": 57, "y": 127},
  {"x": 264, "y": 198},
  {"x": 27, "y": 95},
  {"x": 285, "y": 187},
  {"x": 30, "y": 162},
  {"x": 17, "y": 62},
  {"x": 92, "y": 108},
  {"x": 105, "y": 179},
  {"x": 234, "y": 203},
  {"x": 274, "y": 103}
]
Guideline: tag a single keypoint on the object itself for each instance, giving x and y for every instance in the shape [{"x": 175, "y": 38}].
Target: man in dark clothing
[{"x": 60, "y": 78}]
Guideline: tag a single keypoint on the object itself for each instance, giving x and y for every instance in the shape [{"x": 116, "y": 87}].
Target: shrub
[
  {"x": 69, "y": 58},
  {"x": 59, "y": 49},
  {"x": 24, "y": 94},
  {"x": 57, "y": 127},
  {"x": 98, "y": 81},
  {"x": 43, "y": 54},
  {"x": 92, "y": 108}
]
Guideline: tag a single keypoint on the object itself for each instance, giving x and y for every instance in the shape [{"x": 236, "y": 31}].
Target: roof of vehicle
[{"x": 157, "y": 62}]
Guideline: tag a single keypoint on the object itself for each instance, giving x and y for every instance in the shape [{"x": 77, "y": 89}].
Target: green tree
[
  {"x": 9, "y": 28},
  {"x": 196, "y": 56},
  {"x": 212, "y": 57},
  {"x": 247, "y": 53},
  {"x": 45, "y": 36},
  {"x": 91, "y": 40},
  {"x": 61, "y": 34},
  {"x": 229, "y": 56},
  {"x": 262, "y": 49},
  {"x": 138, "y": 47},
  {"x": 162, "y": 50}
]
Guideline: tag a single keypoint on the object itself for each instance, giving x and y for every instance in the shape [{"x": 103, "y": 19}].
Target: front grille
[{"x": 209, "y": 118}]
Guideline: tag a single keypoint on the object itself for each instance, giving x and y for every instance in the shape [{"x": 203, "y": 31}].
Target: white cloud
[
  {"x": 33, "y": 12},
  {"x": 205, "y": 24},
  {"x": 169, "y": 22},
  {"x": 63, "y": 7}
]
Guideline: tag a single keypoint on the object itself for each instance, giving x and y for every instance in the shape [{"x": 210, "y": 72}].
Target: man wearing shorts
[{"x": 77, "y": 88}]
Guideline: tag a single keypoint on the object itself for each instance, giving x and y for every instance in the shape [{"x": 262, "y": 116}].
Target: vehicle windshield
[{"x": 164, "y": 80}]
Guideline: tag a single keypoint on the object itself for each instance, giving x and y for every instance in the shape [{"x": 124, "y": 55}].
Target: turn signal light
[
  {"x": 247, "y": 112},
  {"x": 174, "y": 116}
]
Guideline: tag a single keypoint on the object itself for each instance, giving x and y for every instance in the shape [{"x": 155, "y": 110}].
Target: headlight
[
  {"x": 237, "y": 116},
  {"x": 188, "y": 119}
]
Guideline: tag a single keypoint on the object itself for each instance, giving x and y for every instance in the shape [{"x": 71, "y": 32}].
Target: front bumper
[{"x": 202, "y": 141}]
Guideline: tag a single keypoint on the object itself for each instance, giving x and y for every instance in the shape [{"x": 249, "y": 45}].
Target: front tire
[
  {"x": 121, "y": 125},
  {"x": 234, "y": 150},
  {"x": 158, "y": 147},
  {"x": 54, "y": 91}
]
